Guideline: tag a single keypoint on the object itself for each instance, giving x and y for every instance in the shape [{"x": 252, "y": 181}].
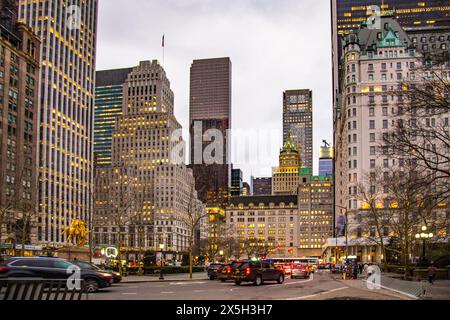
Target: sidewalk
[
  {"x": 167, "y": 278},
  {"x": 361, "y": 285},
  {"x": 440, "y": 290}
]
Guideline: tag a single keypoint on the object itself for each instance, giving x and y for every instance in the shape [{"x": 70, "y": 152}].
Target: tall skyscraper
[
  {"x": 66, "y": 103},
  {"x": 19, "y": 75},
  {"x": 298, "y": 123},
  {"x": 144, "y": 172},
  {"x": 236, "y": 183},
  {"x": 108, "y": 106},
  {"x": 210, "y": 108}
]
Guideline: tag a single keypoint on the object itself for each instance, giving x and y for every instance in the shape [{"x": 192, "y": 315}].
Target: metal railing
[
  {"x": 39, "y": 290},
  {"x": 417, "y": 289}
]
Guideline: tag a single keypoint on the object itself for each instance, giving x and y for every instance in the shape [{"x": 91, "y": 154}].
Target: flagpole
[{"x": 163, "y": 50}]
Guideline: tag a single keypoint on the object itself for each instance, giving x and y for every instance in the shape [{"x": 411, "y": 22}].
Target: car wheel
[
  {"x": 238, "y": 283},
  {"x": 91, "y": 286},
  {"x": 258, "y": 281},
  {"x": 211, "y": 277},
  {"x": 280, "y": 279},
  {"x": 292, "y": 277},
  {"x": 223, "y": 280}
]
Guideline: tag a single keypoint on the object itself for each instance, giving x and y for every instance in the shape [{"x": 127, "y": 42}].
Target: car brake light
[
  {"x": 3, "y": 269},
  {"x": 248, "y": 271},
  {"x": 229, "y": 269}
]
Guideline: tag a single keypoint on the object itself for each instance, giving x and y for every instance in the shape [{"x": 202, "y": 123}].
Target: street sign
[{"x": 5, "y": 245}]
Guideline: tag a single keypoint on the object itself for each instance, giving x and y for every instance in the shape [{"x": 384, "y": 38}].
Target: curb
[
  {"x": 165, "y": 280},
  {"x": 397, "y": 291}
]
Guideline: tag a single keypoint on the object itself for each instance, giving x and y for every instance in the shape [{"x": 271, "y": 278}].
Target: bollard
[{"x": 161, "y": 274}]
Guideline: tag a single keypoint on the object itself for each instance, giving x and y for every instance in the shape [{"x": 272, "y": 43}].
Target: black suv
[
  {"x": 258, "y": 273},
  {"x": 228, "y": 272},
  {"x": 214, "y": 269},
  {"x": 53, "y": 269},
  {"x": 117, "y": 277}
]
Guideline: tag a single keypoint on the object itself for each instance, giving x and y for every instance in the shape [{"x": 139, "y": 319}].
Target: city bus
[{"x": 288, "y": 263}]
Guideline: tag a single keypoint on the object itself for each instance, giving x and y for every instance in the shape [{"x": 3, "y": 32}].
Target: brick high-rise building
[
  {"x": 210, "y": 108},
  {"x": 262, "y": 186},
  {"x": 298, "y": 123},
  {"x": 19, "y": 86},
  {"x": 66, "y": 111}
]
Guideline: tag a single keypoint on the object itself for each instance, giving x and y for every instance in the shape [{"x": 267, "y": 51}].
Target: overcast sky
[{"x": 274, "y": 45}]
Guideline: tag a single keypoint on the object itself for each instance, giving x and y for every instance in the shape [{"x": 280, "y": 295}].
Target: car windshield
[{"x": 87, "y": 266}]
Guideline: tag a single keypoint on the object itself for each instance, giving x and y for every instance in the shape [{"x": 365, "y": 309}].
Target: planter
[{"x": 166, "y": 270}]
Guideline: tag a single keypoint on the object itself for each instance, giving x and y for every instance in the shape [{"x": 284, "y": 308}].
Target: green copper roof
[
  {"x": 390, "y": 40},
  {"x": 289, "y": 145}
]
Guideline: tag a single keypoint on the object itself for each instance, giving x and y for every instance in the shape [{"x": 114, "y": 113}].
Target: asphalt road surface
[{"x": 321, "y": 286}]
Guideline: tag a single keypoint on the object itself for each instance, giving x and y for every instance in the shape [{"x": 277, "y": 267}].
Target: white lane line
[
  {"x": 319, "y": 294},
  {"x": 185, "y": 283},
  {"x": 129, "y": 293},
  {"x": 167, "y": 292}
]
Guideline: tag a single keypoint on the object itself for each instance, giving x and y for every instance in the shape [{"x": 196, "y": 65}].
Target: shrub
[{"x": 166, "y": 270}]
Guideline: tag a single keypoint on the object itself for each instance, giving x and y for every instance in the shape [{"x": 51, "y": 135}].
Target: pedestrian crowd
[{"x": 352, "y": 270}]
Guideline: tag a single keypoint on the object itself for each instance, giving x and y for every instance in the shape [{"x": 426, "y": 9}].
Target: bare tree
[
  {"x": 422, "y": 130},
  {"x": 5, "y": 211},
  {"x": 209, "y": 248},
  {"x": 230, "y": 245},
  {"x": 193, "y": 219},
  {"x": 371, "y": 194},
  {"x": 396, "y": 201},
  {"x": 117, "y": 200},
  {"x": 20, "y": 213}
]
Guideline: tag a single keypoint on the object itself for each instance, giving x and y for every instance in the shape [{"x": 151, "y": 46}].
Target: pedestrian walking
[
  {"x": 355, "y": 272},
  {"x": 432, "y": 274}
]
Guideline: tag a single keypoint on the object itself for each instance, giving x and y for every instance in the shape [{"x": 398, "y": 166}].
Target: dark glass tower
[
  {"x": 108, "y": 105},
  {"x": 210, "y": 108}
]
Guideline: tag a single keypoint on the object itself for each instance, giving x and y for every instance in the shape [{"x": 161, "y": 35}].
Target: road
[{"x": 321, "y": 286}]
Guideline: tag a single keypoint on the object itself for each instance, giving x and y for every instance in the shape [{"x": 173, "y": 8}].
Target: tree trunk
[
  {"x": 191, "y": 241},
  {"x": 119, "y": 257},
  {"x": 24, "y": 232}
]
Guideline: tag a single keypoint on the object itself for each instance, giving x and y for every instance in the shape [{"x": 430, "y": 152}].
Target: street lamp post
[
  {"x": 161, "y": 274},
  {"x": 424, "y": 236},
  {"x": 346, "y": 230}
]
